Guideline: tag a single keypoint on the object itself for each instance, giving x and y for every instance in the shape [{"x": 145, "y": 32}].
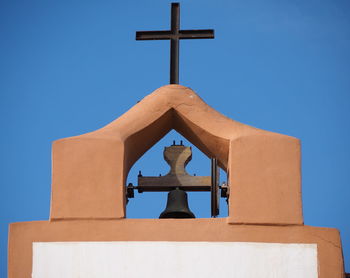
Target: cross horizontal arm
[
  {"x": 153, "y": 35},
  {"x": 196, "y": 34},
  {"x": 183, "y": 34}
]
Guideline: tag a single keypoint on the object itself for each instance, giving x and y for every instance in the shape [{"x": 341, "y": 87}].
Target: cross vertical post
[{"x": 175, "y": 45}]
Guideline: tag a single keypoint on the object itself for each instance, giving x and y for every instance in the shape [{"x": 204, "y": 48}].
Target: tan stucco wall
[
  {"x": 89, "y": 174},
  {"x": 22, "y": 235}
]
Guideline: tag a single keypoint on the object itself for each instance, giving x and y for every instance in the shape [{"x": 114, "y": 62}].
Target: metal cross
[{"x": 174, "y": 35}]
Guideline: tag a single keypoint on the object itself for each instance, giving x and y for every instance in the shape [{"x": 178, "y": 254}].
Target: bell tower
[{"x": 88, "y": 234}]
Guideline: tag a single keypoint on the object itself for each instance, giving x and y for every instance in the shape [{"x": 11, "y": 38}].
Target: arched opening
[
  {"x": 151, "y": 204},
  {"x": 138, "y": 143}
]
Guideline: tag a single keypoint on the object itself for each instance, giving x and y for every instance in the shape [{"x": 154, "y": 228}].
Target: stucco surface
[
  {"x": 90, "y": 170},
  {"x": 22, "y": 236}
]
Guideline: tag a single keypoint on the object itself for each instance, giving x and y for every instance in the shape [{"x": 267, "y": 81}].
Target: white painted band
[{"x": 173, "y": 259}]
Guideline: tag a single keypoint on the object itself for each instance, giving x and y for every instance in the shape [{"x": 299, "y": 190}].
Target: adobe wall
[
  {"x": 89, "y": 173},
  {"x": 22, "y": 235}
]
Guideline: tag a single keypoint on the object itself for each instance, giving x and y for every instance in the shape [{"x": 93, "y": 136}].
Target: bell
[{"x": 177, "y": 205}]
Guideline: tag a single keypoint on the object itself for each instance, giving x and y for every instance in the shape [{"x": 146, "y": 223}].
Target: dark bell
[{"x": 177, "y": 205}]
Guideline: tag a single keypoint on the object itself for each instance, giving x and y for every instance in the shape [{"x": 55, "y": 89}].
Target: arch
[{"x": 90, "y": 170}]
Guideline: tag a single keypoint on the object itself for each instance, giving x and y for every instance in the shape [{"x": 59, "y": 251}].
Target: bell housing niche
[{"x": 90, "y": 170}]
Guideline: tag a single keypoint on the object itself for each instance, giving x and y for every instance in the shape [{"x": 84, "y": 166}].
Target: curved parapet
[{"x": 90, "y": 170}]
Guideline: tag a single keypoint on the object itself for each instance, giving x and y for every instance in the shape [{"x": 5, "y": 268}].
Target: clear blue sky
[{"x": 70, "y": 67}]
